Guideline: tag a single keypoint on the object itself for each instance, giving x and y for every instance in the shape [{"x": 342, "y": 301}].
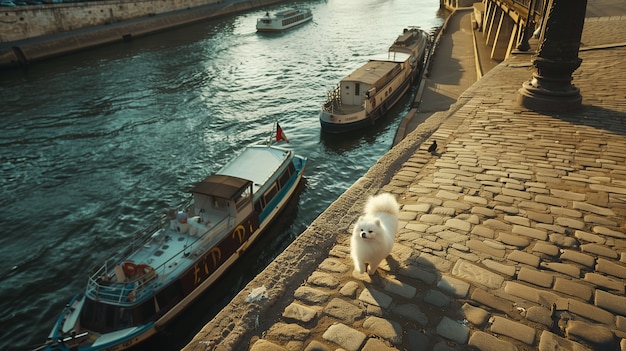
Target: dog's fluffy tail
[{"x": 382, "y": 203}]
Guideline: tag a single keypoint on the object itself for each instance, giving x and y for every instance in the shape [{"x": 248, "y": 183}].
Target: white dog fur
[{"x": 374, "y": 233}]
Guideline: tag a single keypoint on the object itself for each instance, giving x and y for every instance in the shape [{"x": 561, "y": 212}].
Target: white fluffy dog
[{"x": 374, "y": 233}]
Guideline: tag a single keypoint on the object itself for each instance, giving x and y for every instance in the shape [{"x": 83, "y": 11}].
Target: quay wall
[
  {"x": 35, "y": 33},
  {"x": 455, "y": 4},
  {"x": 24, "y": 22}
]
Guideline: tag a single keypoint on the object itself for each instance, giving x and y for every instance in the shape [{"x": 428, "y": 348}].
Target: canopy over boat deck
[{"x": 223, "y": 186}]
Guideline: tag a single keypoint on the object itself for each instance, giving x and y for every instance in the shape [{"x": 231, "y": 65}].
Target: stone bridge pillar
[{"x": 550, "y": 88}]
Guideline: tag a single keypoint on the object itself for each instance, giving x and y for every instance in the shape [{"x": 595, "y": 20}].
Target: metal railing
[
  {"x": 333, "y": 100},
  {"x": 523, "y": 7},
  {"x": 102, "y": 286}
]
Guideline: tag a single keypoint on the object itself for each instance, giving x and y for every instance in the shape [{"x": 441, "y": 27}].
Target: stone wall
[
  {"x": 65, "y": 31},
  {"x": 23, "y": 22},
  {"x": 455, "y": 4}
]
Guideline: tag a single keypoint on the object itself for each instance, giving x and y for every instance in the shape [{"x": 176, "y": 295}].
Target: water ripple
[{"x": 95, "y": 145}]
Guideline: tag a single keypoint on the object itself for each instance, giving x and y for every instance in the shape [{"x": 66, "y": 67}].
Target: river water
[{"x": 95, "y": 145}]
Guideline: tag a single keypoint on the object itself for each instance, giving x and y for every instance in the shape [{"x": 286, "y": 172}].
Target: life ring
[
  {"x": 129, "y": 269},
  {"x": 146, "y": 271},
  {"x": 131, "y": 296}
]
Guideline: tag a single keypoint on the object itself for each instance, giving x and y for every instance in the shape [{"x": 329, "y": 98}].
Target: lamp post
[
  {"x": 523, "y": 45},
  {"x": 550, "y": 88}
]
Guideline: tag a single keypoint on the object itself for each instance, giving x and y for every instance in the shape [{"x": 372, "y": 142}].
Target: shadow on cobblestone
[{"x": 596, "y": 117}]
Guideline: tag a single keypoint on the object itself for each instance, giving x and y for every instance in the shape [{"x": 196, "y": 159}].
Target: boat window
[
  {"x": 244, "y": 199},
  {"x": 284, "y": 178},
  {"x": 260, "y": 205},
  {"x": 219, "y": 203},
  {"x": 270, "y": 193},
  {"x": 357, "y": 89}
]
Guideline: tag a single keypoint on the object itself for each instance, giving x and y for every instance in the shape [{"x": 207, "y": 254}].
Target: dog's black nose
[{"x": 363, "y": 235}]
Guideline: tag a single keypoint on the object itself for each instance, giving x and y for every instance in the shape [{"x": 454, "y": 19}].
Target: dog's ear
[
  {"x": 377, "y": 222},
  {"x": 356, "y": 224}
]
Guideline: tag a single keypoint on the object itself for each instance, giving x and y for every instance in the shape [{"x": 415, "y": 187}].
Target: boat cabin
[
  {"x": 369, "y": 79},
  {"x": 221, "y": 195}
]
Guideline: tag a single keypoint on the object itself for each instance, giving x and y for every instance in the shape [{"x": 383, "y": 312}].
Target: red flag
[{"x": 280, "y": 135}]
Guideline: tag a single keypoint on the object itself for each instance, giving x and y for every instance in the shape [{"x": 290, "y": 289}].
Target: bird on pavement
[{"x": 433, "y": 148}]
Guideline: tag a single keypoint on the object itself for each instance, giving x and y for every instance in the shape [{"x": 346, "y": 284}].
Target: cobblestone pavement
[{"x": 513, "y": 236}]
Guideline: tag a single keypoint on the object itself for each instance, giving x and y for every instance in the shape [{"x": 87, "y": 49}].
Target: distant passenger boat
[
  {"x": 283, "y": 20},
  {"x": 138, "y": 290},
  {"x": 366, "y": 94}
]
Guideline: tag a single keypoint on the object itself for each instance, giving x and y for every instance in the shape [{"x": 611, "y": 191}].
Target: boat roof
[
  {"x": 404, "y": 38},
  {"x": 222, "y": 186},
  {"x": 371, "y": 72},
  {"x": 256, "y": 163},
  {"x": 392, "y": 56},
  {"x": 290, "y": 12}
]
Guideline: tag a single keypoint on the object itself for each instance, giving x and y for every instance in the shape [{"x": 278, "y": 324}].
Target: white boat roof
[
  {"x": 392, "y": 56},
  {"x": 256, "y": 163},
  {"x": 290, "y": 12}
]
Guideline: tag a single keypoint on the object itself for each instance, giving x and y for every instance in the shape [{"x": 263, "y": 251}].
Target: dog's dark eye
[{"x": 370, "y": 231}]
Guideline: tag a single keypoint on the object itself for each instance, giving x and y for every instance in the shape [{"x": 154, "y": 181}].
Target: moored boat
[
  {"x": 365, "y": 95},
  {"x": 283, "y": 20},
  {"x": 171, "y": 263}
]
